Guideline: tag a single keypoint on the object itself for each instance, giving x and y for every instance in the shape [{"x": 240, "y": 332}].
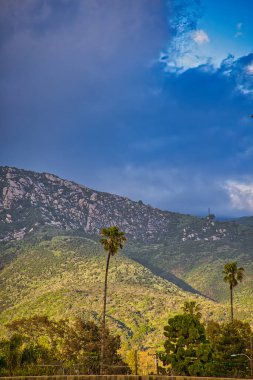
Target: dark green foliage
[
  {"x": 11, "y": 353},
  {"x": 186, "y": 348},
  {"x": 230, "y": 339},
  {"x": 233, "y": 274},
  {"x": 112, "y": 239},
  {"x": 18, "y": 353},
  {"x": 40, "y": 341},
  {"x": 217, "y": 350},
  {"x": 192, "y": 308}
]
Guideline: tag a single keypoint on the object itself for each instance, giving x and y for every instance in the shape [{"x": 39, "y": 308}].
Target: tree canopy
[
  {"x": 230, "y": 339},
  {"x": 186, "y": 347},
  {"x": 66, "y": 344}
]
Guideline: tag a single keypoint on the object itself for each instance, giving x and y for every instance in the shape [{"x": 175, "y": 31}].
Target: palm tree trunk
[
  {"x": 231, "y": 303},
  {"x": 103, "y": 318}
]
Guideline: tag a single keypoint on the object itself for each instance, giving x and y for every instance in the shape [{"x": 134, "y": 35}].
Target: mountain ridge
[
  {"x": 184, "y": 250},
  {"x": 46, "y": 197},
  {"x": 29, "y": 199}
]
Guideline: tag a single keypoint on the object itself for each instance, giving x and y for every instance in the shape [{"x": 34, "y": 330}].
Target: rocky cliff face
[{"x": 29, "y": 200}]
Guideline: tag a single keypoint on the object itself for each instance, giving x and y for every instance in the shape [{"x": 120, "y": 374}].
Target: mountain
[
  {"x": 29, "y": 200},
  {"x": 246, "y": 220},
  {"x": 51, "y": 261}
]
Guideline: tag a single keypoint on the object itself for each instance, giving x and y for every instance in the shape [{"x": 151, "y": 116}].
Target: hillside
[
  {"x": 199, "y": 265},
  {"x": 64, "y": 277},
  {"x": 246, "y": 220},
  {"x": 51, "y": 261}
]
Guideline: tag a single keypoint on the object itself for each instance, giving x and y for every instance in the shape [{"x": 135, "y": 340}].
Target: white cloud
[
  {"x": 240, "y": 71},
  {"x": 186, "y": 51},
  {"x": 240, "y": 194},
  {"x": 200, "y": 37},
  {"x": 250, "y": 69}
]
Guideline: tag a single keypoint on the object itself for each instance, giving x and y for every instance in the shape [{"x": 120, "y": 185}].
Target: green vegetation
[
  {"x": 41, "y": 346},
  {"x": 231, "y": 345},
  {"x": 195, "y": 348},
  {"x": 192, "y": 308},
  {"x": 233, "y": 275},
  {"x": 196, "y": 266},
  {"x": 186, "y": 348},
  {"x": 52, "y": 264},
  {"x": 64, "y": 277}
]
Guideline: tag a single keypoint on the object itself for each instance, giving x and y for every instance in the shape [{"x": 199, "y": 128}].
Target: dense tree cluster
[
  {"x": 214, "y": 349},
  {"x": 231, "y": 342},
  {"x": 39, "y": 345}
]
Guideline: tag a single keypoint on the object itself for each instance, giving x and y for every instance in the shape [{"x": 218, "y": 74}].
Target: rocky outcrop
[{"x": 29, "y": 200}]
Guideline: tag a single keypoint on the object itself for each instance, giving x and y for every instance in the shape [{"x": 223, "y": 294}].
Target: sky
[{"x": 148, "y": 99}]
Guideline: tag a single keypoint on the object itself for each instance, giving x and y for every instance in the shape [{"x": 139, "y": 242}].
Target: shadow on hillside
[
  {"x": 168, "y": 276},
  {"x": 121, "y": 325}
]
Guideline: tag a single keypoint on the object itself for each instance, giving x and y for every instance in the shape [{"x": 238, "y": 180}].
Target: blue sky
[{"x": 144, "y": 98}]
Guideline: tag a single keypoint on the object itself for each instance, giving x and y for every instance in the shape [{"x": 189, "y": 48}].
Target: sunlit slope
[
  {"x": 64, "y": 277},
  {"x": 187, "y": 251},
  {"x": 200, "y": 264}
]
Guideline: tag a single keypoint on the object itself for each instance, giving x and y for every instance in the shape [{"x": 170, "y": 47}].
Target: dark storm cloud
[
  {"x": 200, "y": 139},
  {"x": 84, "y": 95},
  {"x": 73, "y": 82},
  {"x": 97, "y": 56},
  {"x": 38, "y": 17}
]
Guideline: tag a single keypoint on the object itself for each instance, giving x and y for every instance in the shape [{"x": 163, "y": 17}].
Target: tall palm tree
[
  {"x": 233, "y": 275},
  {"x": 112, "y": 240}
]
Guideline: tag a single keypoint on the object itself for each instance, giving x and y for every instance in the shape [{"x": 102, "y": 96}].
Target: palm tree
[
  {"x": 233, "y": 274},
  {"x": 112, "y": 240}
]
